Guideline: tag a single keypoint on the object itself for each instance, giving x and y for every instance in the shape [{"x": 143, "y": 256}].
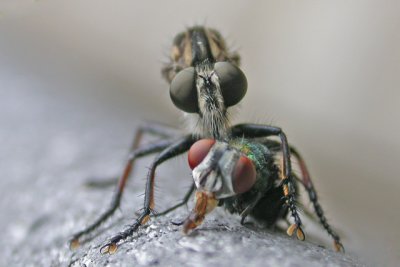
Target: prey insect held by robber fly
[
  {"x": 205, "y": 81},
  {"x": 242, "y": 176}
]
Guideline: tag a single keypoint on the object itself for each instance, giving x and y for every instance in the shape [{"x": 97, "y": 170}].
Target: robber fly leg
[
  {"x": 312, "y": 194},
  {"x": 183, "y": 202},
  {"x": 171, "y": 151},
  {"x": 157, "y": 129},
  {"x": 136, "y": 153},
  {"x": 257, "y": 130}
]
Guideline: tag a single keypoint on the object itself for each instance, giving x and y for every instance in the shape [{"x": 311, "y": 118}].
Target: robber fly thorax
[{"x": 205, "y": 81}]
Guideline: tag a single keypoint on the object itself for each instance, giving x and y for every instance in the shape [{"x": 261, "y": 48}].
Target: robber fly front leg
[
  {"x": 150, "y": 128},
  {"x": 171, "y": 151},
  {"x": 134, "y": 153},
  {"x": 137, "y": 153}
]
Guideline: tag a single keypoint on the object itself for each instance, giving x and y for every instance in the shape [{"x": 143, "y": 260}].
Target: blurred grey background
[{"x": 327, "y": 72}]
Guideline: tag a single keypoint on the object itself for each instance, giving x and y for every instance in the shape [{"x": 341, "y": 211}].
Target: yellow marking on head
[
  {"x": 187, "y": 50},
  {"x": 175, "y": 53}
]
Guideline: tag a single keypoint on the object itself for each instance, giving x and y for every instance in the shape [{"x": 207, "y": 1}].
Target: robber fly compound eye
[
  {"x": 183, "y": 91},
  {"x": 232, "y": 81}
]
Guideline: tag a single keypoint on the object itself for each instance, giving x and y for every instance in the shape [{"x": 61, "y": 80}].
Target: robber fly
[{"x": 205, "y": 81}]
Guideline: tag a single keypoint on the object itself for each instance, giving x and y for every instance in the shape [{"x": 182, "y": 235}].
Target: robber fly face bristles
[
  {"x": 212, "y": 120},
  {"x": 205, "y": 80}
]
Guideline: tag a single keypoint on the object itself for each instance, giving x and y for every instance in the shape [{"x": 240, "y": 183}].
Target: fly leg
[
  {"x": 257, "y": 130},
  {"x": 306, "y": 181},
  {"x": 184, "y": 201},
  {"x": 134, "y": 154},
  {"x": 249, "y": 208},
  {"x": 171, "y": 151}
]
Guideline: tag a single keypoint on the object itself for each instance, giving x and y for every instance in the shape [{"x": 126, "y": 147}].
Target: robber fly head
[{"x": 205, "y": 80}]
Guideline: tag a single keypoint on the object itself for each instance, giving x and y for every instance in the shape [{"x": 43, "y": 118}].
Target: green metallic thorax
[
  {"x": 259, "y": 155},
  {"x": 267, "y": 174}
]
